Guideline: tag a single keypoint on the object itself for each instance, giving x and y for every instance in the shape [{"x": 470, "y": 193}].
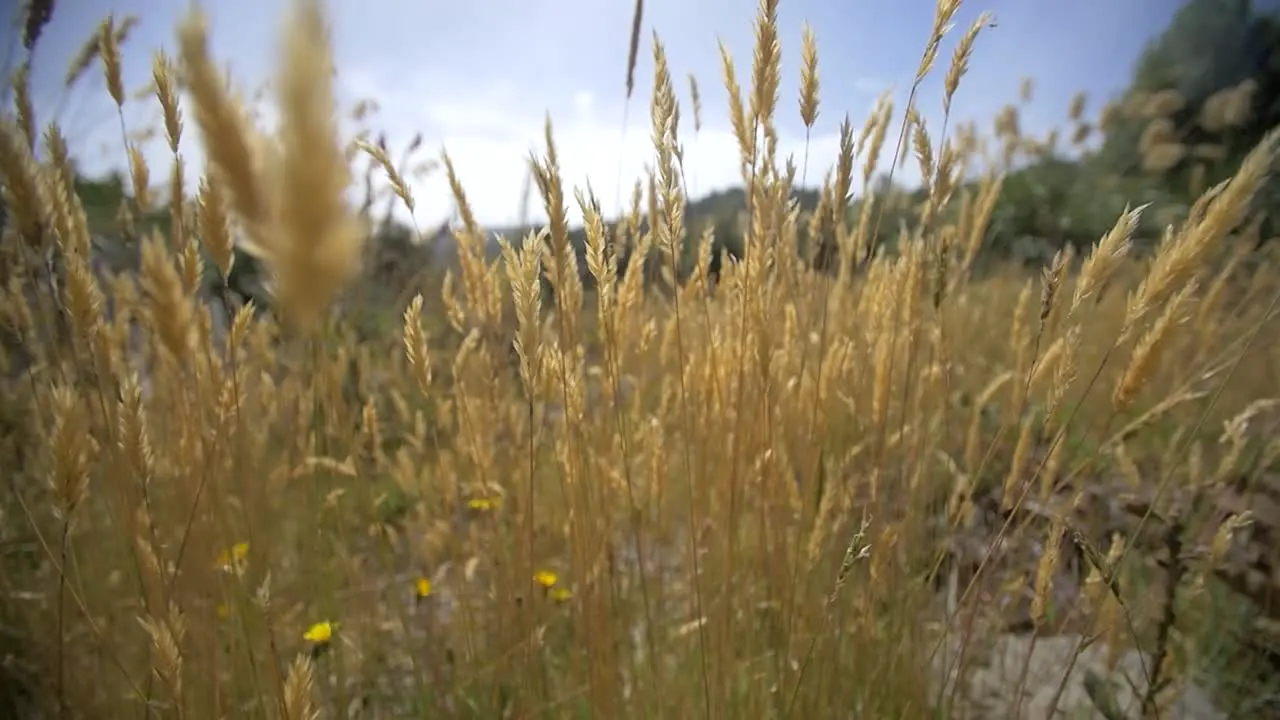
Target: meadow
[{"x": 884, "y": 485}]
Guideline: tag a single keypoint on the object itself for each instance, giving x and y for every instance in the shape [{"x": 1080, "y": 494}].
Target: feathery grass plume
[
  {"x": 809, "y": 81},
  {"x": 68, "y": 214},
  {"x": 1020, "y": 342},
  {"x": 1239, "y": 110},
  {"x": 960, "y": 59},
  {"x": 766, "y": 66},
  {"x": 482, "y": 302},
  {"x": 1162, "y": 158},
  {"x": 1146, "y": 354},
  {"x": 370, "y": 440},
  {"x": 162, "y": 71},
  {"x": 922, "y": 146},
  {"x": 1159, "y": 104},
  {"x": 37, "y": 16},
  {"x": 84, "y": 57},
  {"x": 1081, "y": 133},
  {"x": 741, "y": 122},
  {"x": 135, "y": 436},
  {"x": 1007, "y": 123},
  {"x": 21, "y": 189},
  {"x": 71, "y": 452},
  {"x": 1159, "y": 131},
  {"x": 297, "y": 690},
  {"x": 1045, "y": 570},
  {"x": 228, "y": 139},
  {"x": 141, "y": 176},
  {"x": 398, "y": 185},
  {"x": 168, "y": 305},
  {"x": 1180, "y": 257},
  {"x": 523, "y": 270},
  {"x": 109, "y": 51},
  {"x": 875, "y": 133},
  {"x": 943, "y": 12},
  {"x": 1229, "y": 107},
  {"x": 1219, "y": 546},
  {"x": 1075, "y": 110},
  {"x": 1050, "y": 282},
  {"x": 415, "y": 345},
  {"x": 1026, "y": 89},
  {"x": 190, "y": 264},
  {"x": 1106, "y": 255},
  {"x": 696, "y": 99},
  {"x": 215, "y": 230},
  {"x": 564, "y": 274},
  {"x": 633, "y": 48},
  {"x": 167, "y": 635},
  {"x": 21, "y": 84},
  {"x": 316, "y": 242},
  {"x": 1014, "y": 481},
  {"x": 83, "y": 298},
  {"x": 179, "y": 207},
  {"x": 1064, "y": 373}
]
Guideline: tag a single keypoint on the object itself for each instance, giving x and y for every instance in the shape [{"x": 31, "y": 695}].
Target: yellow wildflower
[
  {"x": 422, "y": 587},
  {"x": 561, "y": 594},
  {"x": 320, "y": 633},
  {"x": 234, "y": 559},
  {"x": 545, "y": 578},
  {"x": 481, "y": 504}
]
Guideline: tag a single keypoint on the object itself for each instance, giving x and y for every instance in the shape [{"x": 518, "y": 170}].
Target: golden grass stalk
[
  {"x": 109, "y": 51},
  {"x": 215, "y": 229},
  {"x": 37, "y": 16},
  {"x": 633, "y": 48},
  {"x": 809, "y": 80},
  {"x": 141, "y": 176},
  {"x": 398, "y": 185},
  {"x": 960, "y": 58},
  {"x": 168, "y": 305},
  {"x": 315, "y": 241},
  {"x": 21, "y": 189},
  {"x": 297, "y": 690},
  {"x": 415, "y": 345},
  {"x": 21, "y": 84},
  {"x": 228, "y": 140},
  {"x": 696, "y": 100},
  {"x": 162, "y": 71}
]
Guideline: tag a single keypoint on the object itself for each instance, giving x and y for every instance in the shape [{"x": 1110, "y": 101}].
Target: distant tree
[{"x": 1204, "y": 92}]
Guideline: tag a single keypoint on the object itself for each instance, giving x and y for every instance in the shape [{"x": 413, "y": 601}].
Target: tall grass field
[{"x": 858, "y": 468}]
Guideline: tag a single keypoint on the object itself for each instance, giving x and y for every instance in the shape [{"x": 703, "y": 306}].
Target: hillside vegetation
[{"x": 1000, "y": 444}]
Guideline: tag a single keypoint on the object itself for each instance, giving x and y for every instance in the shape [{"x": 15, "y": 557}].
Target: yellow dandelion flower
[
  {"x": 481, "y": 504},
  {"x": 234, "y": 559},
  {"x": 223, "y": 611},
  {"x": 561, "y": 594},
  {"x": 320, "y": 633},
  {"x": 422, "y": 587},
  {"x": 545, "y": 578}
]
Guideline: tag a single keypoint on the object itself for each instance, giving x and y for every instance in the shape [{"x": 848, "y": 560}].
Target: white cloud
[
  {"x": 583, "y": 103},
  {"x": 489, "y": 140},
  {"x": 489, "y": 137}
]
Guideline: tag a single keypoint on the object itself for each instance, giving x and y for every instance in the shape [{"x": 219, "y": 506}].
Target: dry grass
[{"x": 788, "y": 494}]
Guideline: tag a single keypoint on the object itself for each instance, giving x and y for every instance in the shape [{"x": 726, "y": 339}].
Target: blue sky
[{"x": 478, "y": 78}]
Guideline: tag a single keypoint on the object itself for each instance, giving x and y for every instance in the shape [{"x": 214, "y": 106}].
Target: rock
[{"x": 992, "y": 685}]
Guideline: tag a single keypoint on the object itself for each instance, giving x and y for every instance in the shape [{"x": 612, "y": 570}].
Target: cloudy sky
[{"x": 479, "y": 78}]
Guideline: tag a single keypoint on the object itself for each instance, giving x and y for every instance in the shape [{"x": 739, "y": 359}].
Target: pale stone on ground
[{"x": 993, "y": 679}]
